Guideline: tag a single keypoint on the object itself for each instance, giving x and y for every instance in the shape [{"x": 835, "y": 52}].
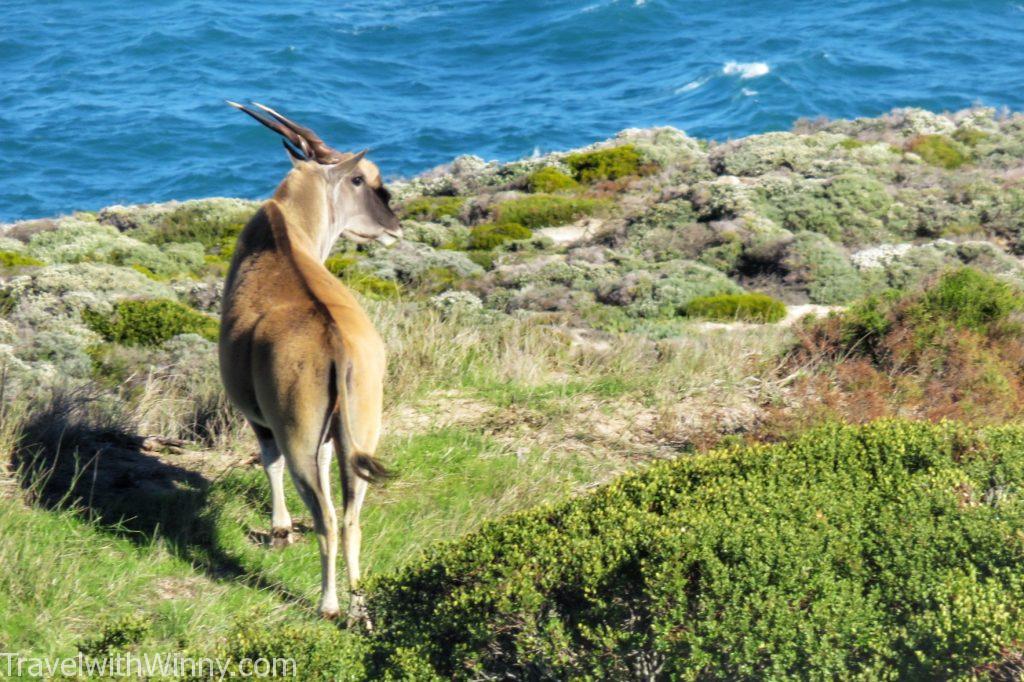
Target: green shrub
[
  {"x": 542, "y": 210},
  {"x": 149, "y": 322},
  {"x": 549, "y": 179},
  {"x": 484, "y": 259},
  {"x": 438, "y": 279},
  {"x": 374, "y": 287},
  {"x": 850, "y": 208},
  {"x": 75, "y": 241},
  {"x": 408, "y": 261},
  {"x": 737, "y": 307},
  {"x": 214, "y": 224},
  {"x": 344, "y": 267},
  {"x": 724, "y": 257},
  {"x": 867, "y": 321},
  {"x": 851, "y": 143},
  {"x": 605, "y": 164},
  {"x": 305, "y": 651},
  {"x": 761, "y": 154},
  {"x": 889, "y": 551},
  {"x": 339, "y": 265},
  {"x": 12, "y": 259},
  {"x": 970, "y": 136},
  {"x": 116, "y": 636},
  {"x": 938, "y": 150},
  {"x": 146, "y": 272},
  {"x": 432, "y": 208},
  {"x": 8, "y": 301},
  {"x": 664, "y": 292},
  {"x": 912, "y": 325},
  {"x": 488, "y": 236},
  {"x": 951, "y": 350},
  {"x": 971, "y": 299},
  {"x": 822, "y": 268}
]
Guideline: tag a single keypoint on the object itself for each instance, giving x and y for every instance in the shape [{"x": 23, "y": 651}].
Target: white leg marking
[
  {"x": 273, "y": 465},
  {"x": 329, "y": 539},
  {"x": 352, "y": 534}
]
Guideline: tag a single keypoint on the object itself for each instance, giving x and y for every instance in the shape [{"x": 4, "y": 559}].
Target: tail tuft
[{"x": 369, "y": 468}]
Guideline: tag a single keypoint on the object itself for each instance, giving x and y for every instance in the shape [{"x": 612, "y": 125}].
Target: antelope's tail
[{"x": 365, "y": 465}]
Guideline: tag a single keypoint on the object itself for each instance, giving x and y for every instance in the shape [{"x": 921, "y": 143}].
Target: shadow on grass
[{"x": 75, "y": 452}]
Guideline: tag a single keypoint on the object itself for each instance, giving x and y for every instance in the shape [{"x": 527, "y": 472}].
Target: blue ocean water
[{"x": 106, "y": 101}]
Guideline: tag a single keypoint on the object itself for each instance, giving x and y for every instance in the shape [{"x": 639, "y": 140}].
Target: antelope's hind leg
[
  {"x": 310, "y": 468},
  {"x": 273, "y": 464},
  {"x": 353, "y": 494}
]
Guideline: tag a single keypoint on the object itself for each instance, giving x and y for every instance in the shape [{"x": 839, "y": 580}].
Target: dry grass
[{"x": 537, "y": 383}]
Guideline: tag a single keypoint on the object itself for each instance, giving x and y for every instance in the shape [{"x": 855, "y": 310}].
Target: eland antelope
[{"x": 298, "y": 355}]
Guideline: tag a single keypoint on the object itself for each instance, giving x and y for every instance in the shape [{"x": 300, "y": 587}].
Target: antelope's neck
[{"x": 304, "y": 202}]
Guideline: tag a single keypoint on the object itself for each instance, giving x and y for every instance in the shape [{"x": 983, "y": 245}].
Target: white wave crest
[
  {"x": 746, "y": 70},
  {"x": 691, "y": 86}
]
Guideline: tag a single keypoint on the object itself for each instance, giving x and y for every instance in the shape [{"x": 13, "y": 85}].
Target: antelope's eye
[{"x": 357, "y": 180}]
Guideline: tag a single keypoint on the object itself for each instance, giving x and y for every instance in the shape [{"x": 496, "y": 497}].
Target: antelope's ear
[{"x": 343, "y": 168}]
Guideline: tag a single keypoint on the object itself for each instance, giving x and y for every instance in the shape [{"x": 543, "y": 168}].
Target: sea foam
[
  {"x": 691, "y": 86},
  {"x": 746, "y": 70}
]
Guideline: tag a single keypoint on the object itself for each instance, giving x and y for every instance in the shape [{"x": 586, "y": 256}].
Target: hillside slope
[
  {"x": 891, "y": 551},
  {"x": 551, "y": 324}
]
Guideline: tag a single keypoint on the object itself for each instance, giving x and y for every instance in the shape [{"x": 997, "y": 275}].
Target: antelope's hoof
[
  {"x": 282, "y": 537},
  {"x": 330, "y": 614},
  {"x": 357, "y": 613}
]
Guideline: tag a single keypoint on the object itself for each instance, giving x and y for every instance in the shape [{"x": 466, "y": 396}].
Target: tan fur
[{"x": 302, "y": 361}]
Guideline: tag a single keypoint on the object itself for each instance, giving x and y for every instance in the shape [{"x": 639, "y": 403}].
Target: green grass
[
  {"x": 69, "y": 581},
  {"x": 448, "y": 482},
  {"x": 65, "y": 578},
  {"x": 195, "y": 572}
]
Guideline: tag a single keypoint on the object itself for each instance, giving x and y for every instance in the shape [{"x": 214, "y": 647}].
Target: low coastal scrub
[
  {"x": 550, "y": 179},
  {"x": 543, "y": 210},
  {"x": 938, "y": 150},
  {"x": 737, "y": 308},
  {"x": 346, "y": 268},
  {"x": 83, "y": 241},
  {"x": 813, "y": 559},
  {"x": 13, "y": 259},
  {"x": 433, "y": 208},
  {"x": 489, "y": 235},
  {"x": 953, "y": 349},
  {"x": 605, "y": 164},
  {"x": 213, "y": 224},
  {"x": 149, "y": 322}
]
